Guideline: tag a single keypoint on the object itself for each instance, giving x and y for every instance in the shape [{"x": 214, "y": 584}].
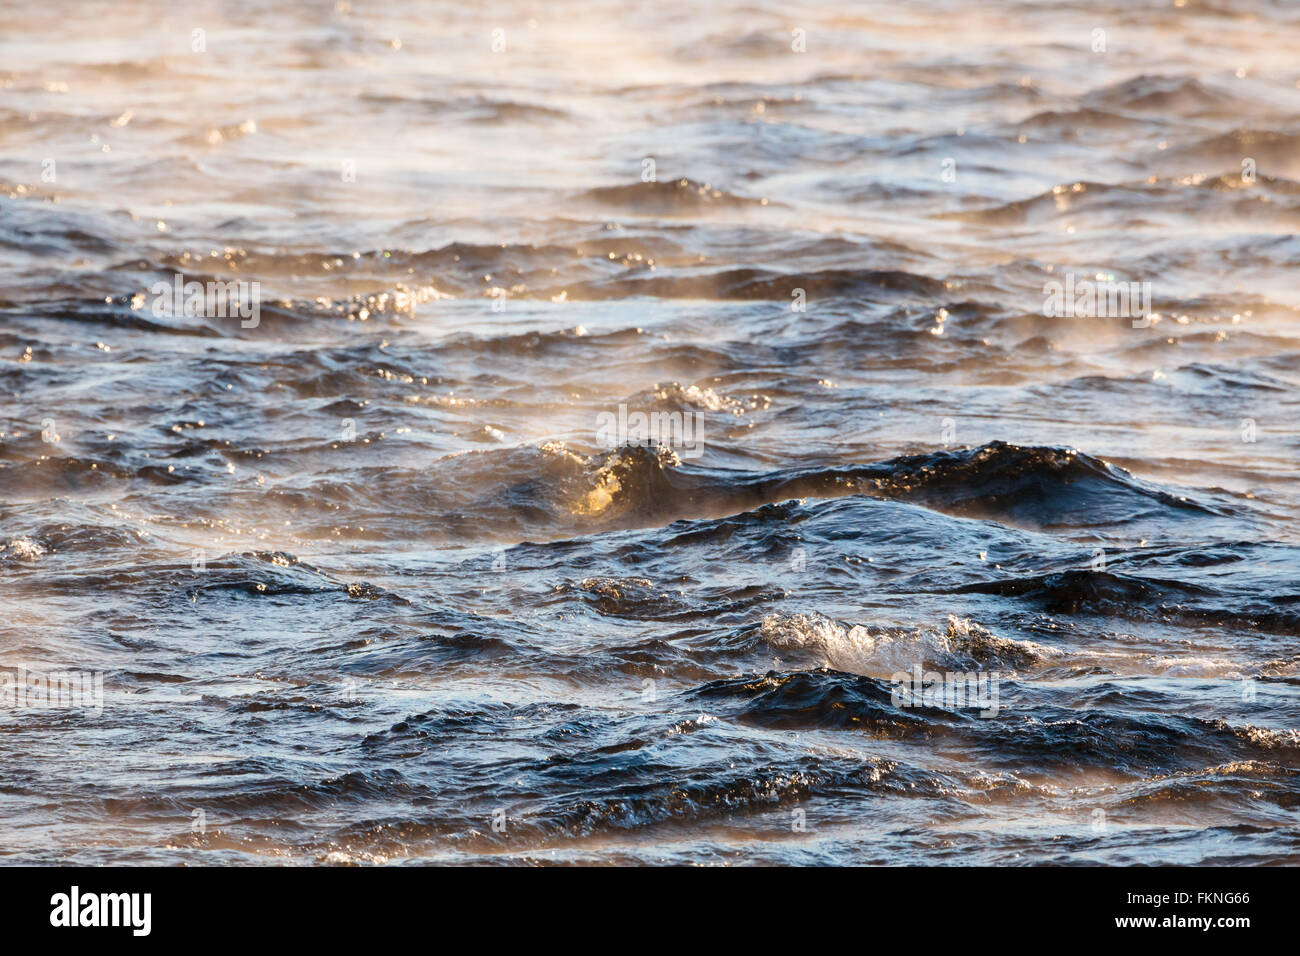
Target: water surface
[{"x": 362, "y": 579}]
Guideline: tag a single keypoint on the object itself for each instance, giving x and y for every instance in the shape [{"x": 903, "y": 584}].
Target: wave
[
  {"x": 1166, "y": 96},
  {"x": 883, "y": 651},
  {"x": 1144, "y": 597},
  {"x": 1179, "y": 197},
  {"x": 554, "y": 488},
  {"x": 1275, "y": 152},
  {"x": 678, "y": 197}
]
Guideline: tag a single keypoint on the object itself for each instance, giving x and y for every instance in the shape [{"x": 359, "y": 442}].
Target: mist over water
[{"x": 369, "y": 575}]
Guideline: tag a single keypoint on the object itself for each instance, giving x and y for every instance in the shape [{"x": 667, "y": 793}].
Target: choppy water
[{"x": 363, "y": 578}]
